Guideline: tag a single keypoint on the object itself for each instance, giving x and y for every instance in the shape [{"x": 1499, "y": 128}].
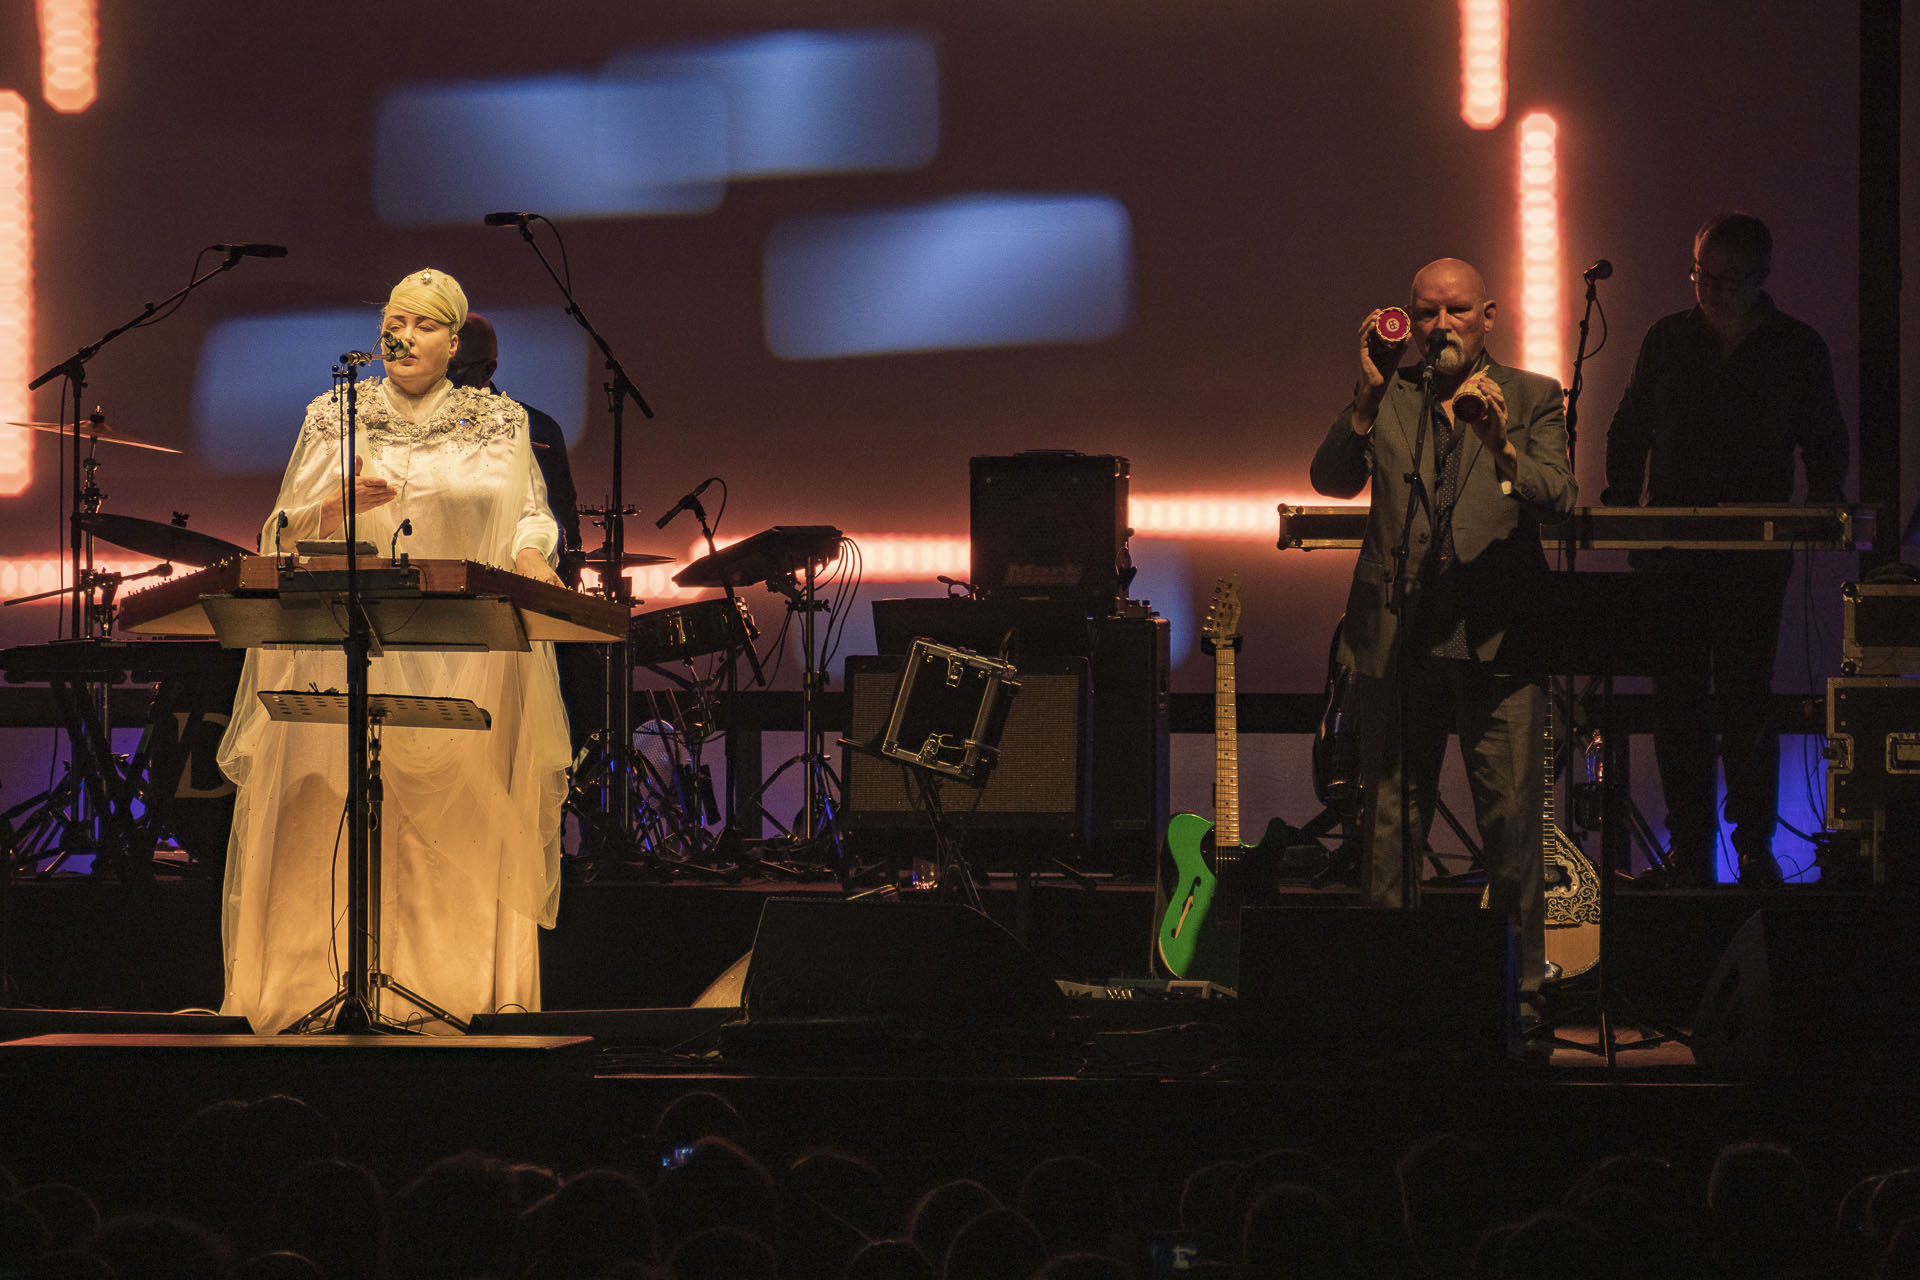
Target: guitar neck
[{"x": 1226, "y": 749}]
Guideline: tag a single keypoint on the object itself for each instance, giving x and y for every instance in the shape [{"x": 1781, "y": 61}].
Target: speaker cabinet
[
  {"x": 1828, "y": 988},
  {"x": 1124, "y": 745},
  {"x": 936, "y": 969},
  {"x": 1367, "y": 984},
  {"x": 1050, "y": 526},
  {"x": 1130, "y": 745},
  {"x": 1038, "y": 781}
]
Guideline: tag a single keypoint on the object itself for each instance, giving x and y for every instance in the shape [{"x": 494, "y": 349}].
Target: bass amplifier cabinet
[
  {"x": 1122, "y": 665},
  {"x": 1051, "y": 526},
  {"x": 1038, "y": 780}
]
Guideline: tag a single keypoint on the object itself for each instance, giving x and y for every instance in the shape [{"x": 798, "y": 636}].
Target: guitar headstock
[{"x": 1223, "y": 615}]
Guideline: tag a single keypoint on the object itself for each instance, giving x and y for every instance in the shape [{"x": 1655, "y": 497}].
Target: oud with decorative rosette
[{"x": 1572, "y": 889}]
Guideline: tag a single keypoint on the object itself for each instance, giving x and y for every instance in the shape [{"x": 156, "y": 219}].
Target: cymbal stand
[
  {"x": 819, "y": 785},
  {"x": 86, "y": 495},
  {"x": 91, "y": 810},
  {"x": 606, "y": 761},
  {"x": 617, "y": 791}
]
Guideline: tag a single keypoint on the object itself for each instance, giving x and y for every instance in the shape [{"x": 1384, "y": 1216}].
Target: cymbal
[
  {"x": 173, "y": 542},
  {"x": 95, "y": 429},
  {"x": 631, "y": 559}
]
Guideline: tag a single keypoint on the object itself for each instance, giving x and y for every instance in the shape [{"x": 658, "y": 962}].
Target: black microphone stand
[
  {"x": 1616, "y": 805},
  {"x": 80, "y": 543},
  {"x": 617, "y": 786},
  {"x": 1403, "y": 603}
]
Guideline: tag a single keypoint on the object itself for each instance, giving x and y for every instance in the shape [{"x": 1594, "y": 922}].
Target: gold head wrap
[{"x": 430, "y": 293}]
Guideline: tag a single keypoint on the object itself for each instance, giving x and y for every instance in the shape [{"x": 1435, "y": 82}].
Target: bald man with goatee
[{"x": 1422, "y": 629}]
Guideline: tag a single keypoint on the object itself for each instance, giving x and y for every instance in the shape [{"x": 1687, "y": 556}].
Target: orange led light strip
[
  {"x": 29, "y": 575},
  {"x": 1542, "y": 257},
  {"x": 69, "y": 53},
  {"x": 16, "y": 295},
  {"x": 1483, "y": 62}
]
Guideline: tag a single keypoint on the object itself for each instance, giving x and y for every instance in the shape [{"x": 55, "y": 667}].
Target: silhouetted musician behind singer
[{"x": 1721, "y": 399}]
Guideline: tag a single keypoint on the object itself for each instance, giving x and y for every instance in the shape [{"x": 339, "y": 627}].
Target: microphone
[
  {"x": 508, "y": 219},
  {"x": 394, "y": 347},
  {"x": 1598, "y": 271},
  {"x": 1436, "y": 347},
  {"x": 253, "y": 250},
  {"x": 687, "y": 503},
  {"x": 393, "y": 551},
  {"x": 360, "y": 357}
]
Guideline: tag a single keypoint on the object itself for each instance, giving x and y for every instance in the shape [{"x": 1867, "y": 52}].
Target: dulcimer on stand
[{"x": 251, "y": 601}]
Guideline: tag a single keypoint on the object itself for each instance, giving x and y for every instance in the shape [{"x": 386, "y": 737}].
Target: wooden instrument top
[{"x": 547, "y": 612}]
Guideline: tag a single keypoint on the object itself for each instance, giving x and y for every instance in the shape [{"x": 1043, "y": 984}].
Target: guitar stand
[
  {"x": 1476, "y": 872},
  {"x": 1600, "y": 1008}
]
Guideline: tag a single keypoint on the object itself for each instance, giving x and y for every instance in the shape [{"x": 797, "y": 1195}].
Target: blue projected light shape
[
  {"x": 573, "y": 144},
  {"x": 812, "y": 101},
  {"x": 256, "y": 375},
  {"x": 979, "y": 271}
]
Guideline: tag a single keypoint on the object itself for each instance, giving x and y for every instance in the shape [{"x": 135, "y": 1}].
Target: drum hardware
[
  {"x": 96, "y": 428},
  {"x": 788, "y": 559},
  {"x": 172, "y": 542},
  {"x": 616, "y": 791},
  {"x": 88, "y": 620},
  {"x": 670, "y": 796},
  {"x": 576, "y": 560},
  {"x": 136, "y": 793}
]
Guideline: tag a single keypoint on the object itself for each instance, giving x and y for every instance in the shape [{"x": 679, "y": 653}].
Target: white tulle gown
[{"x": 471, "y": 842}]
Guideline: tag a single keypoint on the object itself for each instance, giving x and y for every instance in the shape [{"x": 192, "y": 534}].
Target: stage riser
[{"x": 79, "y": 944}]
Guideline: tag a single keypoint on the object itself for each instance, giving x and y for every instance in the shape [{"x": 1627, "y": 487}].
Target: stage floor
[{"x": 1154, "y": 1084}]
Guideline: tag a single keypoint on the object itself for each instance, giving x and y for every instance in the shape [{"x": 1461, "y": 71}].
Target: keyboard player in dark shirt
[{"x": 1721, "y": 400}]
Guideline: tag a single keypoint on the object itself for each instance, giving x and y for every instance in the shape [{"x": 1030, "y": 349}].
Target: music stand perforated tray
[{"x": 390, "y": 710}]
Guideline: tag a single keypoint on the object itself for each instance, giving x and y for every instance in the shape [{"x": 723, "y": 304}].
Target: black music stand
[
  {"x": 365, "y": 980},
  {"x": 1600, "y": 625}
]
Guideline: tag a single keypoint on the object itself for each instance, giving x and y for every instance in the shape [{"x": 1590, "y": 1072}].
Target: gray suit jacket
[{"x": 1495, "y": 532}]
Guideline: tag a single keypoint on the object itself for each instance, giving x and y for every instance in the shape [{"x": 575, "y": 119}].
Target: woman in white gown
[{"x": 470, "y": 846}]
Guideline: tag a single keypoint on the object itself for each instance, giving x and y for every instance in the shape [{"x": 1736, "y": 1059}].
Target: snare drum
[{"x": 691, "y": 630}]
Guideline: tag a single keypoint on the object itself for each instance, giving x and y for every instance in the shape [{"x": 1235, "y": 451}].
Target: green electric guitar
[{"x": 1190, "y": 936}]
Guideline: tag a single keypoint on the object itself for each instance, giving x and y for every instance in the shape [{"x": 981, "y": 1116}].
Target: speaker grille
[
  {"x": 1049, "y": 527},
  {"x": 1038, "y": 781}
]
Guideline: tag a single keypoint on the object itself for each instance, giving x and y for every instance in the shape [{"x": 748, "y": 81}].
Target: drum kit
[
  {"x": 644, "y": 806},
  {"x": 106, "y": 805}
]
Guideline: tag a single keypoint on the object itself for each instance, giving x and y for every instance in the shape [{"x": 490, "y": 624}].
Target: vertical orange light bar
[
  {"x": 16, "y": 294},
  {"x": 1542, "y": 266},
  {"x": 1483, "y": 62},
  {"x": 69, "y": 53}
]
